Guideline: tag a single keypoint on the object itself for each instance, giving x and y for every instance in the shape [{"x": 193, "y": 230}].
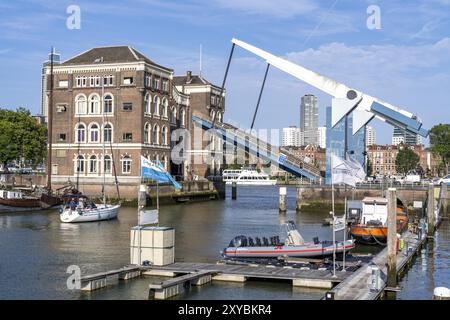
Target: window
[
  {"x": 91, "y": 81},
  {"x": 127, "y": 136},
  {"x": 80, "y": 133},
  {"x": 80, "y": 164},
  {"x": 165, "y": 108},
  {"x": 147, "y": 133},
  {"x": 94, "y": 136},
  {"x": 107, "y": 164},
  {"x": 81, "y": 104},
  {"x": 155, "y": 83},
  {"x": 173, "y": 115},
  {"x": 127, "y": 106},
  {"x": 165, "y": 86},
  {"x": 164, "y": 136},
  {"x": 62, "y": 137},
  {"x": 148, "y": 101},
  {"x": 108, "y": 104},
  {"x": 93, "y": 164},
  {"x": 94, "y": 104},
  {"x": 126, "y": 164},
  {"x": 63, "y": 83},
  {"x": 183, "y": 117},
  {"x": 156, "y": 105},
  {"x": 83, "y": 81},
  {"x": 78, "y": 81},
  {"x": 156, "y": 134},
  {"x": 219, "y": 117},
  {"x": 128, "y": 80},
  {"x": 107, "y": 133}
]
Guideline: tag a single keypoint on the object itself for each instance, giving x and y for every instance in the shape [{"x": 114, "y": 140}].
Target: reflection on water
[{"x": 36, "y": 248}]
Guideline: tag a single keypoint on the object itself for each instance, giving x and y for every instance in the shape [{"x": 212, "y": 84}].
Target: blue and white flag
[{"x": 156, "y": 172}]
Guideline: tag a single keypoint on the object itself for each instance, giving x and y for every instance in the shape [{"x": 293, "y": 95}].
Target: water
[{"x": 36, "y": 248}]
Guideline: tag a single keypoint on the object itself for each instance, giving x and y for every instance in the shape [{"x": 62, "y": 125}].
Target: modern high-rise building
[
  {"x": 44, "y": 95},
  {"x": 322, "y": 137},
  {"x": 400, "y": 135},
  {"x": 309, "y": 118},
  {"x": 370, "y": 136},
  {"x": 291, "y": 137}
]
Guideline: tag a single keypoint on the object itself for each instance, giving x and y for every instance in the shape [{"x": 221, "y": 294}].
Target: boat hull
[
  {"x": 101, "y": 213},
  {"x": 306, "y": 250},
  {"x": 375, "y": 234},
  {"x": 253, "y": 183},
  {"x": 21, "y": 203}
]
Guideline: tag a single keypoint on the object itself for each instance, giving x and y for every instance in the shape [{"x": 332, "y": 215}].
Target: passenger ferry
[{"x": 247, "y": 177}]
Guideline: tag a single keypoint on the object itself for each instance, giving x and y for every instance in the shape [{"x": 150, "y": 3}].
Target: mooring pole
[
  {"x": 430, "y": 211},
  {"x": 392, "y": 238},
  {"x": 233, "y": 190},
  {"x": 282, "y": 206},
  {"x": 298, "y": 203}
]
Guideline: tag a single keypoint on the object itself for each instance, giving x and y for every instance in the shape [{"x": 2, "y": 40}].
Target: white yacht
[{"x": 247, "y": 177}]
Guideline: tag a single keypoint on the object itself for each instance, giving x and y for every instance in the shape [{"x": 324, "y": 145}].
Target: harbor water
[{"x": 36, "y": 249}]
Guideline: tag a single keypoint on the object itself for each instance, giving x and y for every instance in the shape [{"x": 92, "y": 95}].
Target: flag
[
  {"x": 148, "y": 217},
  {"x": 346, "y": 171},
  {"x": 156, "y": 172}
]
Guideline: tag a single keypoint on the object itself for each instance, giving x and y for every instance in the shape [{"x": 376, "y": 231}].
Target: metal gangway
[{"x": 279, "y": 156}]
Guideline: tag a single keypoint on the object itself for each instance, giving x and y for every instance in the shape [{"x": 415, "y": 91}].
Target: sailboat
[{"x": 79, "y": 208}]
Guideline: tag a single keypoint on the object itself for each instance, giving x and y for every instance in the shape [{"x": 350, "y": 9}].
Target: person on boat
[
  {"x": 72, "y": 204},
  {"x": 81, "y": 203}
]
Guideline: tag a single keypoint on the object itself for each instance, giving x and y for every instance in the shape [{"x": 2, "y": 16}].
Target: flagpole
[
  {"x": 345, "y": 232},
  {"x": 332, "y": 208}
]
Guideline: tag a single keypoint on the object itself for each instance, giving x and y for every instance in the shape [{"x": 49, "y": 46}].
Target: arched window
[
  {"x": 164, "y": 161},
  {"x": 212, "y": 113},
  {"x": 107, "y": 132},
  {"x": 80, "y": 102},
  {"x": 80, "y": 164},
  {"x": 108, "y": 103},
  {"x": 93, "y": 164},
  {"x": 94, "y": 105},
  {"x": 165, "y": 108},
  {"x": 173, "y": 115},
  {"x": 94, "y": 133},
  {"x": 156, "y": 105},
  {"x": 126, "y": 164},
  {"x": 219, "y": 117},
  {"x": 107, "y": 164},
  {"x": 148, "y": 102},
  {"x": 183, "y": 117},
  {"x": 156, "y": 134},
  {"x": 164, "y": 136},
  {"x": 80, "y": 133},
  {"x": 147, "y": 131}
]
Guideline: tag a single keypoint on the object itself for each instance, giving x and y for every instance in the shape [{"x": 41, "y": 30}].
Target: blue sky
[{"x": 405, "y": 63}]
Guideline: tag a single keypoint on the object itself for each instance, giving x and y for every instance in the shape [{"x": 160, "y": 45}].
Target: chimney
[{"x": 188, "y": 76}]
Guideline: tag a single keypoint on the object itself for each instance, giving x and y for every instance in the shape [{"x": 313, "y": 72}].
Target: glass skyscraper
[
  {"x": 356, "y": 144},
  {"x": 309, "y": 118}
]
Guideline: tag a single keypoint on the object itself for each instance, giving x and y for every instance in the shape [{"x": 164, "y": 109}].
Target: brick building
[
  {"x": 312, "y": 154},
  {"x": 111, "y": 105},
  {"x": 382, "y": 158}
]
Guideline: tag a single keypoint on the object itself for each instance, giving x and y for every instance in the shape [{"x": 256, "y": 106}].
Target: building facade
[
  {"x": 402, "y": 136},
  {"x": 291, "y": 137},
  {"x": 205, "y": 152},
  {"x": 370, "y": 136},
  {"x": 322, "y": 137},
  {"x": 311, "y": 154},
  {"x": 110, "y": 106},
  {"x": 309, "y": 118}
]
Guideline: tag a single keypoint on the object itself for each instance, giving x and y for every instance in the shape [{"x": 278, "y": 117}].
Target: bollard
[
  {"x": 282, "y": 206},
  {"x": 233, "y": 190},
  {"x": 430, "y": 211},
  {"x": 392, "y": 238},
  {"x": 298, "y": 203},
  {"x": 441, "y": 293}
]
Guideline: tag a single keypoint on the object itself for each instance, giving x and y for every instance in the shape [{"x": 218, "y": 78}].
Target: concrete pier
[
  {"x": 299, "y": 200},
  {"x": 282, "y": 205}
]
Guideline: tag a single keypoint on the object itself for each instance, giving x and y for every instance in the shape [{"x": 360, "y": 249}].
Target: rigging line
[
  {"x": 259, "y": 98},
  {"x": 78, "y": 153},
  {"x": 103, "y": 140},
  {"x": 223, "y": 85}
]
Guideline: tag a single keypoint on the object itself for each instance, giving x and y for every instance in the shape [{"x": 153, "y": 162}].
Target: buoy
[{"x": 441, "y": 293}]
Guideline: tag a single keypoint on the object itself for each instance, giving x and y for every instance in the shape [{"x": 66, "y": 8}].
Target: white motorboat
[
  {"x": 247, "y": 177},
  {"x": 97, "y": 212}
]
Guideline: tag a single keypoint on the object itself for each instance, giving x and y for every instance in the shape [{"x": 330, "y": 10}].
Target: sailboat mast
[
  {"x": 50, "y": 125},
  {"x": 103, "y": 140}
]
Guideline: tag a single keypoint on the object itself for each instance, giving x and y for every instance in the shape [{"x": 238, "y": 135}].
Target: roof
[
  {"x": 111, "y": 54},
  {"x": 196, "y": 80}
]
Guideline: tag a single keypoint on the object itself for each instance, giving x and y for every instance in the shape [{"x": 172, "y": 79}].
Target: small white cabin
[
  {"x": 7, "y": 194},
  {"x": 374, "y": 209}
]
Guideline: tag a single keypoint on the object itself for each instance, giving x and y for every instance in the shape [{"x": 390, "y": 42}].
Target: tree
[
  {"x": 440, "y": 143},
  {"x": 369, "y": 168},
  {"x": 21, "y": 138},
  {"x": 406, "y": 160}
]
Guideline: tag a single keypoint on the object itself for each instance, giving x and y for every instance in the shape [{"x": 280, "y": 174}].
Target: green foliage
[
  {"x": 440, "y": 143},
  {"x": 369, "y": 168},
  {"x": 21, "y": 137},
  {"x": 406, "y": 160}
]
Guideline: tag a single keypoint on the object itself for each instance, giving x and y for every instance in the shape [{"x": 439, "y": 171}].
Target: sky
[{"x": 404, "y": 61}]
